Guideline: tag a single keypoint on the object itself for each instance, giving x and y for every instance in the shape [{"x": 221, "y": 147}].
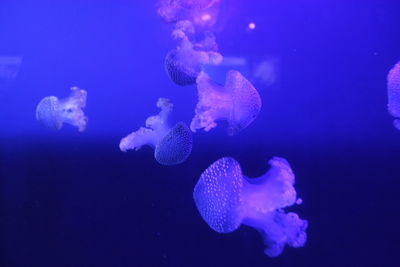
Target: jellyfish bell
[
  {"x": 238, "y": 102},
  {"x": 172, "y": 145},
  {"x": 226, "y": 199},
  {"x": 175, "y": 147},
  {"x": 184, "y": 63},
  {"x": 48, "y": 113},
  {"x": 196, "y": 4},
  {"x": 53, "y": 112},
  {"x": 393, "y": 84}
]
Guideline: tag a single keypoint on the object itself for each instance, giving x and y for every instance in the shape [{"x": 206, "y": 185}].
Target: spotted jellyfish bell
[
  {"x": 172, "y": 145},
  {"x": 184, "y": 63},
  {"x": 393, "y": 84},
  {"x": 237, "y": 102},
  {"x": 226, "y": 199},
  {"x": 53, "y": 112}
]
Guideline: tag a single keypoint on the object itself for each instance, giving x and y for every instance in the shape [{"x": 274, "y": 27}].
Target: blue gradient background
[{"x": 71, "y": 199}]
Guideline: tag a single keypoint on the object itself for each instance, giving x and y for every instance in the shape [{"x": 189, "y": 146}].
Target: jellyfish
[
  {"x": 393, "y": 83},
  {"x": 53, "y": 112},
  {"x": 203, "y": 13},
  {"x": 226, "y": 199},
  {"x": 172, "y": 145},
  {"x": 184, "y": 63},
  {"x": 238, "y": 102},
  {"x": 9, "y": 68}
]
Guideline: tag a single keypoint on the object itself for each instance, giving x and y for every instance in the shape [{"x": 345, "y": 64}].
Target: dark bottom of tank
[{"x": 84, "y": 203}]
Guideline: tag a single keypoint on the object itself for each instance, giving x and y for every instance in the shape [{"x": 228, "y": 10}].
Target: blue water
[{"x": 74, "y": 199}]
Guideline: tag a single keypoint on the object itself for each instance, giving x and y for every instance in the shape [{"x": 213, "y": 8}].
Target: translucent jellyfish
[
  {"x": 202, "y": 13},
  {"x": 226, "y": 199},
  {"x": 184, "y": 63},
  {"x": 238, "y": 102},
  {"x": 393, "y": 83},
  {"x": 53, "y": 112},
  {"x": 9, "y": 68},
  {"x": 172, "y": 145}
]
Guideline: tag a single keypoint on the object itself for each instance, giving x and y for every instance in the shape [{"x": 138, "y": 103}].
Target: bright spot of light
[
  {"x": 206, "y": 17},
  {"x": 252, "y": 25}
]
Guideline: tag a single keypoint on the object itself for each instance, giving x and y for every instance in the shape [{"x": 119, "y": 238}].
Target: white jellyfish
[
  {"x": 53, "y": 112},
  {"x": 172, "y": 145},
  {"x": 393, "y": 84},
  {"x": 184, "y": 63},
  {"x": 203, "y": 13},
  {"x": 238, "y": 102},
  {"x": 226, "y": 199}
]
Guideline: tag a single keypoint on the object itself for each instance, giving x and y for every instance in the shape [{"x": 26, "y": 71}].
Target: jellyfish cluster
[{"x": 223, "y": 195}]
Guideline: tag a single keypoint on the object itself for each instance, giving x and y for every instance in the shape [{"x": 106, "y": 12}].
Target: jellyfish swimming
[
  {"x": 172, "y": 145},
  {"x": 237, "y": 102},
  {"x": 226, "y": 199},
  {"x": 53, "y": 112},
  {"x": 203, "y": 13},
  {"x": 184, "y": 63},
  {"x": 393, "y": 84}
]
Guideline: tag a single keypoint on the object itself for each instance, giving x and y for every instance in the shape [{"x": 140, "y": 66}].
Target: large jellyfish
[
  {"x": 202, "y": 13},
  {"x": 393, "y": 83},
  {"x": 226, "y": 199},
  {"x": 238, "y": 102},
  {"x": 172, "y": 145},
  {"x": 53, "y": 112},
  {"x": 184, "y": 63}
]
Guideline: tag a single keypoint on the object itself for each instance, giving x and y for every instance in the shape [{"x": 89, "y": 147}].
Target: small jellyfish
[
  {"x": 9, "y": 68},
  {"x": 226, "y": 199},
  {"x": 172, "y": 145},
  {"x": 393, "y": 84},
  {"x": 184, "y": 63},
  {"x": 53, "y": 112},
  {"x": 238, "y": 102}
]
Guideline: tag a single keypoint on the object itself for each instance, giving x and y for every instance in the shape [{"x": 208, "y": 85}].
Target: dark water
[{"x": 73, "y": 199}]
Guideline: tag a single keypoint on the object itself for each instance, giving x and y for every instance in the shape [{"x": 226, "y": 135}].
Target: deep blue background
[{"x": 73, "y": 199}]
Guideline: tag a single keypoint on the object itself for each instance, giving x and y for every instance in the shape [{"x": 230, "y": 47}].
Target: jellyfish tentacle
[{"x": 71, "y": 108}]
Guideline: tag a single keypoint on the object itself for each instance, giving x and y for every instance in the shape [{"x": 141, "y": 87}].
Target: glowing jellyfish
[
  {"x": 172, "y": 145},
  {"x": 202, "y": 13},
  {"x": 238, "y": 102},
  {"x": 53, "y": 112},
  {"x": 184, "y": 63},
  {"x": 226, "y": 199},
  {"x": 393, "y": 83}
]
